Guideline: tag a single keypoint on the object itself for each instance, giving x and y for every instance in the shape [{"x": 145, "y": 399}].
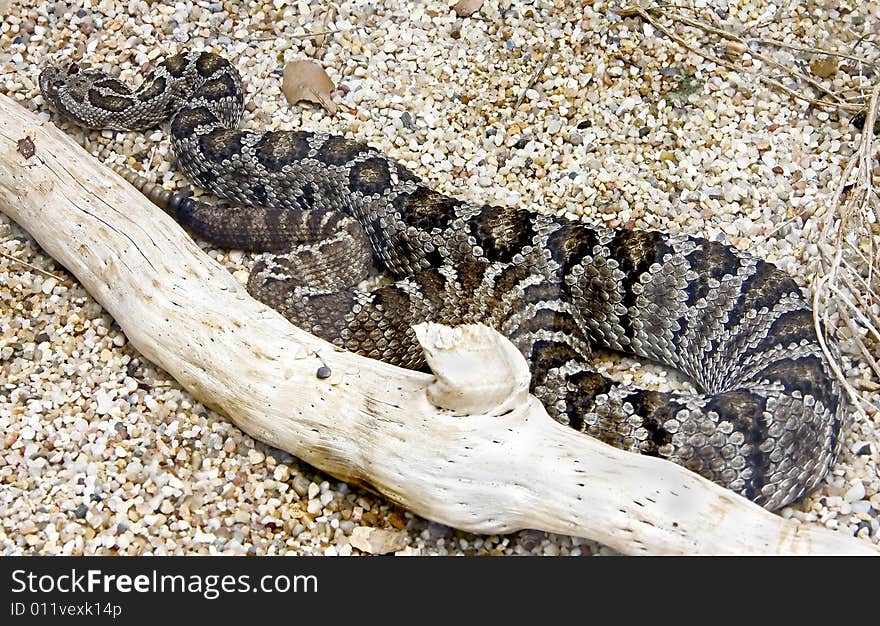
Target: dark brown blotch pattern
[
  {"x": 369, "y": 177},
  {"x": 109, "y": 101},
  {"x": 337, "y": 150},
  {"x": 570, "y": 243},
  {"x": 274, "y": 150},
  {"x": 502, "y": 233},
  {"x": 716, "y": 261},
  {"x": 153, "y": 88},
  {"x": 176, "y": 65},
  {"x": 221, "y": 144},
  {"x": 186, "y": 122},
  {"x": 207, "y": 64},
  {"x": 218, "y": 88},
  {"x": 425, "y": 209}
]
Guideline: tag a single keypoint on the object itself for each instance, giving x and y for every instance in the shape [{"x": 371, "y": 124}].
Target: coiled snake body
[{"x": 325, "y": 209}]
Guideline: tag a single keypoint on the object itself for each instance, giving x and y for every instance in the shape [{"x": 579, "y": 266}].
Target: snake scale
[{"x": 325, "y": 211}]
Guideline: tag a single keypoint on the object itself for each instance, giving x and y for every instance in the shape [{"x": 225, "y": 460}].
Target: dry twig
[
  {"x": 33, "y": 267},
  {"x": 321, "y": 43},
  {"x": 536, "y": 75},
  {"x": 847, "y": 280},
  {"x": 831, "y": 100}
]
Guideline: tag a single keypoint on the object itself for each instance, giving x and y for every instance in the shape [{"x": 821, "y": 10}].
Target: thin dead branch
[
  {"x": 536, "y": 75},
  {"x": 33, "y": 267},
  {"x": 847, "y": 280},
  {"x": 830, "y": 99}
]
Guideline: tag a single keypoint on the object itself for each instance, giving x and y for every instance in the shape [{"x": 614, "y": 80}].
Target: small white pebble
[
  {"x": 856, "y": 492},
  {"x": 314, "y": 490},
  {"x": 861, "y": 507},
  {"x": 281, "y": 473},
  {"x": 103, "y": 403}
]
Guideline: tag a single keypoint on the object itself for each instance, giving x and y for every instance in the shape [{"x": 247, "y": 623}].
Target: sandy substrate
[{"x": 101, "y": 453}]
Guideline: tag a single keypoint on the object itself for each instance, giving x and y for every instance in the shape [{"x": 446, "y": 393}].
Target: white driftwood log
[{"x": 492, "y": 461}]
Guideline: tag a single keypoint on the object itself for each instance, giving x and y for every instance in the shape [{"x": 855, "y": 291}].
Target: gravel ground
[{"x": 102, "y": 453}]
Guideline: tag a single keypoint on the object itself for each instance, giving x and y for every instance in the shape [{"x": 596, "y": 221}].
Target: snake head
[{"x": 53, "y": 78}]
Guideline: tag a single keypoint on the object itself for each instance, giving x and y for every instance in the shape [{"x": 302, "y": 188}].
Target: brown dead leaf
[
  {"x": 466, "y": 8},
  {"x": 307, "y": 80}
]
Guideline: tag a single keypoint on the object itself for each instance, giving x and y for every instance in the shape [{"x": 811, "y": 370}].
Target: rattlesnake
[{"x": 324, "y": 210}]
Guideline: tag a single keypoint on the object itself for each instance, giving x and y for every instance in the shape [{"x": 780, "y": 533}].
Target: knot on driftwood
[{"x": 477, "y": 370}]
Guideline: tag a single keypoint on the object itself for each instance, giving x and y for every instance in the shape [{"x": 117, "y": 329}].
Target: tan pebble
[
  {"x": 314, "y": 490},
  {"x": 377, "y": 540},
  {"x": 734, "y": 50},
  {"x": 281, "y": 473},
  {"x": 155, "y": 520},
  {"x": 397, "y": 520}
]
